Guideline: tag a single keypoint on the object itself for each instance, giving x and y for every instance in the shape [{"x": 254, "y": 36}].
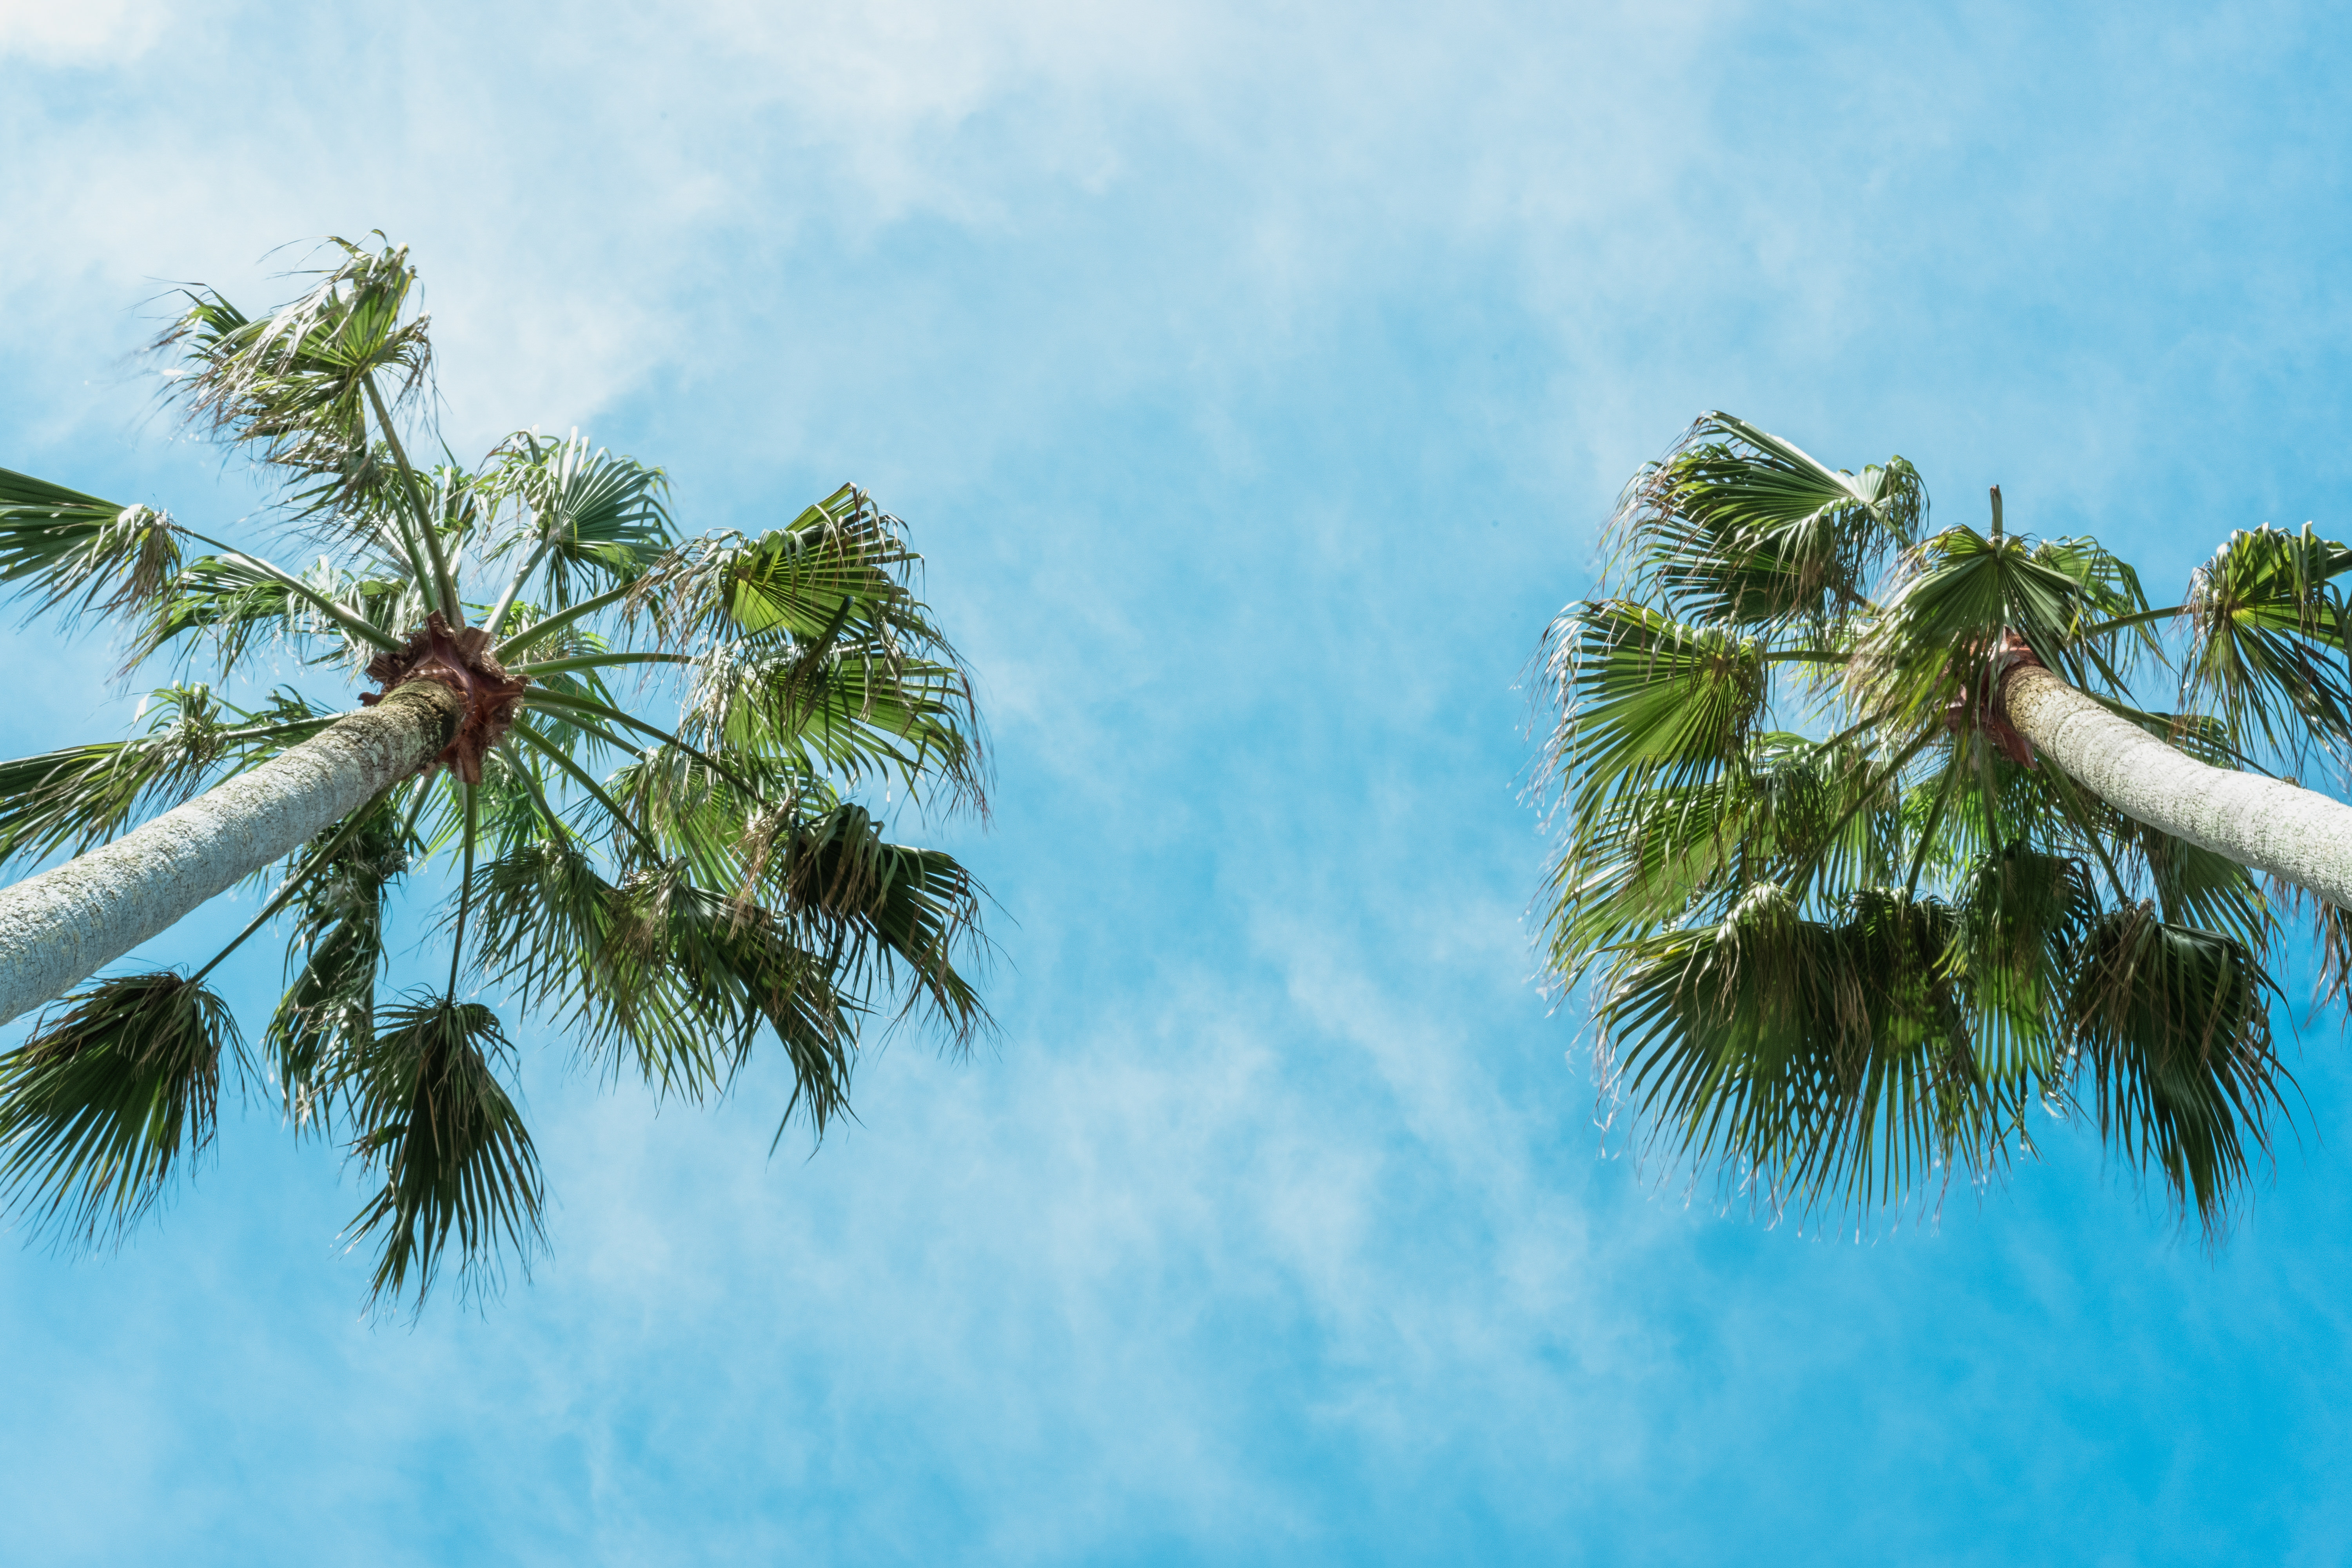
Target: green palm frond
[
  {"x": 1821, "y": 817},
  {"x": 80, "y": 555},
  {"x": 846, "y": 710},
  {"x": 2174, "y": 1034},
  {"x": 2267, "y": 640},
  {"x": 240, "y": 598},
  {"x": 1648, "y": 701},
  {"x": 1810, "y": 1060},
  {"x": 662, "y": 852},
  {"x": 659, "y": 977},
  {"x": 2332, "y": 933},
  {"x": 692, "y": 813},
  {"x": 1841, "y": 927},
  {"x": 451, "y": 1148},
  {"x": 236, "y": 602},
  {"x": 111, "y": 1098},
  {"x": 1829, "y": 814},
  {"x": 1739, "y": 527},
  {"x": 296, "y": 382},
  {"x": 587, "y": 517},
  {"x": 1644, "y": 862},
  {"x": 2025, "y": 917},
  {"x": 564, "y": 940},
  {"x": 842, "y": 569},
  {"x": 304, "y": 389},
  {"x": 219, "y": 608},
  {"x": 325, "y": 1021},
  {"x": 1940, "y": 638},
  {"x": 875, "y": 907}
]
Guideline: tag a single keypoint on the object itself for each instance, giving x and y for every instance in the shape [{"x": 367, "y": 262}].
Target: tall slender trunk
[
  {"x": 61, "y": 927},
  {"x": 2295, "y": 833}
]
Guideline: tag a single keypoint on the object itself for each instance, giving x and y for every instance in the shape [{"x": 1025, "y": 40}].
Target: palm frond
[
  {"x": 562, "y": 939},
  {"x": 846, "y": 712},
  {"x": 1646, "y": 701},
  {"x": 669, "y": 979},
  {"x": 294, "y": 384},
  {"x": 1961, "y": 601},
  {"x": 87, "y": 794},
  {"x": 236, "y": 602},
  {"x": 2025, "y": 918},
  {"x": 451, "y": 1148},
  {"x": 511, "y": 804},
  {"x": 239, "y": 598},
  {"x": 2173, "y": 1030},
  {"x": 2332, "y": 931},
  {"x": 2268, "y": 638},
  {"x": 1824, "y": 1065},
  {"x": 874, "y": 907},
  {"x": 1737, "y": 526},
  {"x": 841, "y": 569},
  {"x": 1823, "y": 817},
  {"x": 108, "y": 1100},
  {"x": 1828, "y": 819},
  {"x": 697, "y": 815},
  {"x": 586, "y": 517},
  {"x": 319, "y": 1035},
  {"x": 80, "y": 555},
  {"x": 1645, "y": 861}
]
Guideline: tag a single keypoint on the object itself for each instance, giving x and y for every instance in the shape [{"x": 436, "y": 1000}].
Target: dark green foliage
[
  {"x": 2173, "y": 1032},
  {"x": 450, "y": 1146},
  {"x": 2024, "y": 920},
  {"x": 662, "y": 860},
  {"x": 1956, "y": 592},
  {"x": 862, "y": 901},
  {"x": 108, "y": 1100},
  {"x": 324, "y": 1022},
  {"x": 2267, "y": 647},
  {"x": 1740, "y": 529},
  {"x": 1841, "y": 933},
  {"x": 1814, "y": 1059}
]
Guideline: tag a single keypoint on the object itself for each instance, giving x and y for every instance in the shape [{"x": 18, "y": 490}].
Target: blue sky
[{"x": 1254, "y": 379}]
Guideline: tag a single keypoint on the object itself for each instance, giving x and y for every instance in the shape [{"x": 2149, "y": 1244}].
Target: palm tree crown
[
  {"x": 668, "y": 883},
  {"x": 1844, "y": 922}
]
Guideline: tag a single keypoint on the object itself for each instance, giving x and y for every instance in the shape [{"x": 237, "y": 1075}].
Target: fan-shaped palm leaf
[
  {"x": 110, "y": 1098},
  {"x": 672, "y": 871},
  {"x": 1843, "y": 920}
]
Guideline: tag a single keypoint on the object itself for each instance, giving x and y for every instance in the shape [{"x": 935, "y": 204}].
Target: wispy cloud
[
  {"x": 92, "y": 33},
  {"x": 1254, "y": 377}
]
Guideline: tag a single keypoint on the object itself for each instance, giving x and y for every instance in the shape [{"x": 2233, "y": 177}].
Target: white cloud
[
  {"x": 654, "y": 151},
  {"x": 1176, "y": 320},
  {"x": 78, "y": 32}
]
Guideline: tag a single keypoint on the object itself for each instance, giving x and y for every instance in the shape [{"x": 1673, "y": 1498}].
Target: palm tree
[
  {"x": 666, "y": 891},
  {"x": 1868, "y": 845}
]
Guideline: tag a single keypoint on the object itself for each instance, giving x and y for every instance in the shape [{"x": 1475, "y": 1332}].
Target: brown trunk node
[
  {"x": 1982, "y": 709},
  {"x": 461, "y": 661}
]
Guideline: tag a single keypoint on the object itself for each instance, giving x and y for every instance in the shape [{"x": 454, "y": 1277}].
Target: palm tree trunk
[
  {"x": 58, "y": 928},
  {"x": 2291, "y": 832}
]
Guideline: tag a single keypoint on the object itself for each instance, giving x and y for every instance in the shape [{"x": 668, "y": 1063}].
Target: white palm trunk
[
  {"x": 60, "y": 928},
  {"x": 2291, "y": 832}
]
